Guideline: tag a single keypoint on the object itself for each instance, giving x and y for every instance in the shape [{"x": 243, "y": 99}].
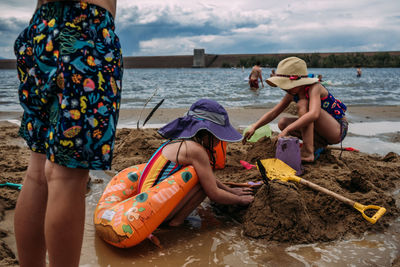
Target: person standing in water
[
  {"x": 255, "y": 74},
  {"x": 70, "y": 70},
  {"x": 359, "y": 72}
]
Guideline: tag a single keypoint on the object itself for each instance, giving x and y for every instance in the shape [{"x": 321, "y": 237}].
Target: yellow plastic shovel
[{"x": 277, "y": 169}]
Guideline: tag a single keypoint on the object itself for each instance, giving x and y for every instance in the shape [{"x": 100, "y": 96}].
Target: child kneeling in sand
[
  {"x": 192, "y": 139},
  {"x": 317, "y": 108}
]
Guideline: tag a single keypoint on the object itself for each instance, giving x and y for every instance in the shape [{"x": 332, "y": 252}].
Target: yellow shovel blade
[{"x": 277, "y": 169}]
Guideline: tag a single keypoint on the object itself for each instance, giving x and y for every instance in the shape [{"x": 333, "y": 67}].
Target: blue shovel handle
[{"x": 18, "y": 186}]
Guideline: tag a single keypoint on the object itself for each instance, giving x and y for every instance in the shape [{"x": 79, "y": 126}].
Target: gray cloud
[
  {"x": 14, "y": 17},
  {"x": 175, "y": 27},
  {"x": 135, "y": 25},
  {"x": 12, "y": 25},
  {"x": 18, "y": 3},
  {"x": 9, "y": 30}
]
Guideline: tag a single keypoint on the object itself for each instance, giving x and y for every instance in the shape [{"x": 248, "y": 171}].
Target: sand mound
[
  {"x": 279, "y": 213},
  {"x": 288, "y": 212}
]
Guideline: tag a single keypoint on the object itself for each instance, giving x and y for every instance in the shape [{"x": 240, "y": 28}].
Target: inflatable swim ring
[{"x": 124, "y": 217}]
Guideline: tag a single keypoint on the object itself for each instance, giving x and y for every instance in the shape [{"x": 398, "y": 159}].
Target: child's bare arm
[
  {"x": 268, "y": 117},
  {"x": 313, "y": 110},
  {"x": 274, "y": 112}
]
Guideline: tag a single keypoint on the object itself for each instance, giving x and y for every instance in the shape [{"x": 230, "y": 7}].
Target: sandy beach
[
  {"x": 282, "y": 212},
  {"x": 239, "y": 116}
]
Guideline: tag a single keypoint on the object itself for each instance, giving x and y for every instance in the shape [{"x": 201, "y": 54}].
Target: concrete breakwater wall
[
  {"x": 8, "y": 64},
  {"x": 199, "y": 60},
  {"x": 140, "y": 62},
  {"x": 169, "y": 62}
]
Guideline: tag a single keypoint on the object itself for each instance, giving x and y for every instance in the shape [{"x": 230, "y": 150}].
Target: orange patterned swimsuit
[{"x": 157, "y": 169}]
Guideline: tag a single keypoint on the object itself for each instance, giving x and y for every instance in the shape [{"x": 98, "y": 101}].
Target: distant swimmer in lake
[
  {"x": 272, "y": 73},
  {"x": 255, "y": 74},
  {"x": 359, "y": 72}
]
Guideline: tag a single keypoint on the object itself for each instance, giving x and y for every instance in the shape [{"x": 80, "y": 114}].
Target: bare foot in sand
[{"x": 307, "y": 156}]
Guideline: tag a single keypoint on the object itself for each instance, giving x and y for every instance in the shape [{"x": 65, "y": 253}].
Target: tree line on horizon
[{"x": 315, "y": 60}]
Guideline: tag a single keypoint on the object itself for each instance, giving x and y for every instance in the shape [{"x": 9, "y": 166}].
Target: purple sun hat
[{"x": 203, "y": 114}]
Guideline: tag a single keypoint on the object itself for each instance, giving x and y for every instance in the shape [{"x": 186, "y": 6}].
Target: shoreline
[
  {"x": 241, "y": 115},
  {"x": 377, "y": 125},
  {"x": 248, "y": 115}
]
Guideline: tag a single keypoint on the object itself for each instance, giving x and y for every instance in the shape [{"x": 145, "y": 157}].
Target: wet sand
[
  {"x": 245, "y": 116},
  {"x": 240, "y": 116},
  {"x": 366, "y": 178}
]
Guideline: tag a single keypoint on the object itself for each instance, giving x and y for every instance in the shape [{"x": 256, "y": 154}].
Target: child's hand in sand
[
  {"x": 246, "y": 200},
  {"x": 245, "y": 194},
  {"x": 241, "y": 191},
  {"x": 248, "y": 134},
  {"x": 283, "y": 133}
]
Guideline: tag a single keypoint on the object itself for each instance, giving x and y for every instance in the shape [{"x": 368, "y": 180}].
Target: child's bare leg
[
  {"x": 307, "y": 150},
  {"x": 65, "y": 216},
  {"x": 191, "y": 201},
  {"x": 285, "y": 121},
  {"x": 328, "y": 127},
  {"x": 307, "y": 133},
  {"x": 30, "y": 213}
]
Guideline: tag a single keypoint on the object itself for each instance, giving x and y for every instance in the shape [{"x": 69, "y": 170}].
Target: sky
[{"x": 172, "y": 27}]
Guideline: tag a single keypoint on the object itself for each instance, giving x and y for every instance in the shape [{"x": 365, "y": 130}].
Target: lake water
[{"x": 181, "y": 87}]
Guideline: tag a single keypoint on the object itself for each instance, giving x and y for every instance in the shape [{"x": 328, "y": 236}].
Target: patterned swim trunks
[{"x": 69, "y": 63}]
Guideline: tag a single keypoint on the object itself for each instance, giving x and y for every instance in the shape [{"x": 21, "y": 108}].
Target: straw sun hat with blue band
[
  {"x": 291, "y": 72},
  {"x": 204, "y": 114}
]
